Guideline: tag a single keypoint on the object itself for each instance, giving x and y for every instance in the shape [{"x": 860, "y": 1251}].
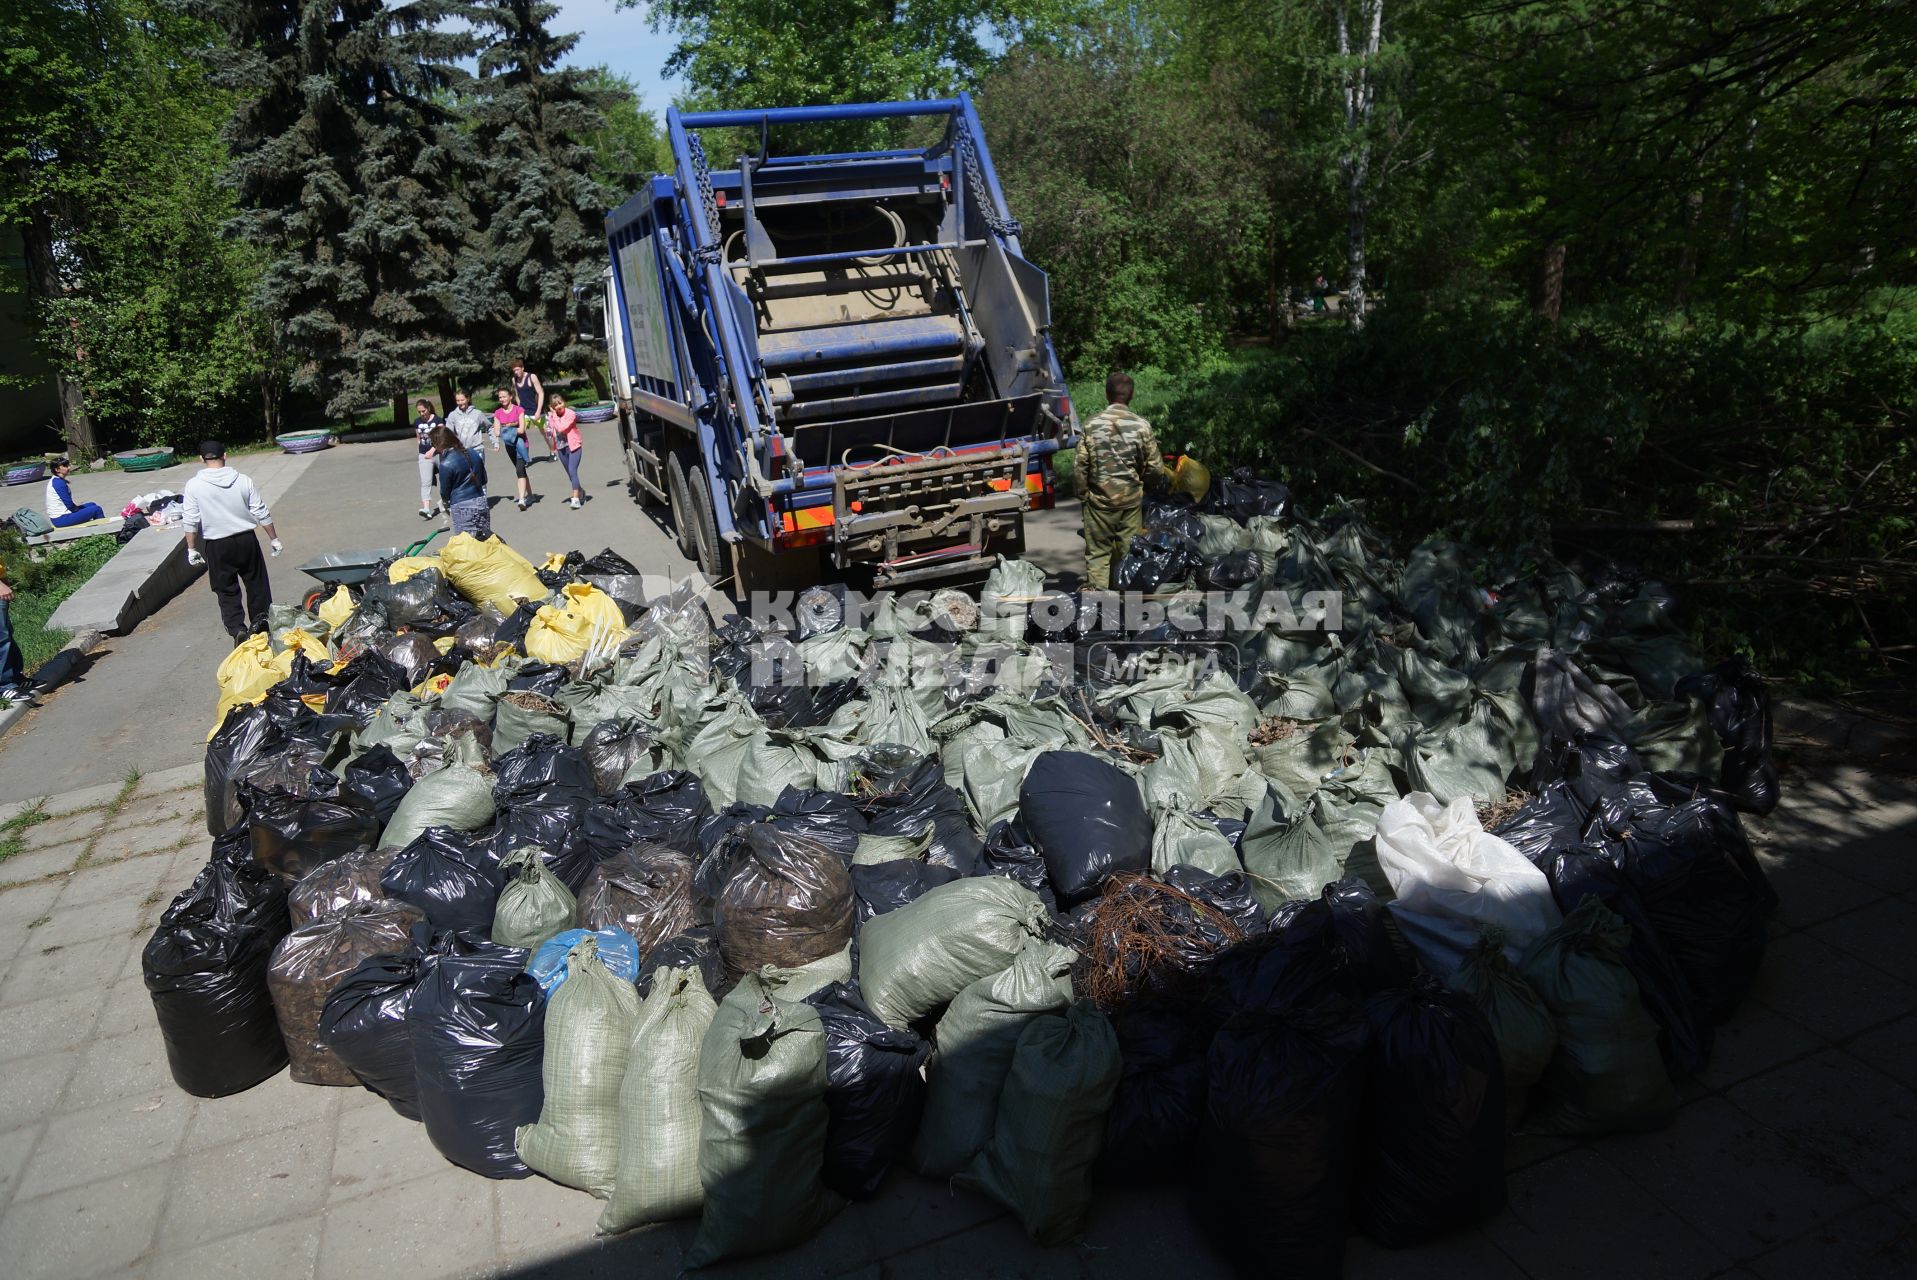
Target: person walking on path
[
  {"x": 509, "y": 430},
  {"x": 219, "y": 508},
  {"x": 62, "y": 510},
  {"x": 530, "y": 392},
  {"x": 462, "y": 482},
  {"x": 13, "y": 677},
  {"x": 423, "y": 427},
  {"x": 467, "y": 420},
  {"x": 562, "y": 424},
  {"x": 1116, "y": 452}
]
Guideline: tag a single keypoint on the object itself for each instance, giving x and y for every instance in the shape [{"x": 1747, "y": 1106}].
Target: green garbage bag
[
  {"x": 520, "y": 714},
  {"x": 534, "y": 905},
  {"x": 656, "y": 1177},
  {"x": 1519, "y": 1021},
  {"x": 1607, "y": 1075},
  {"x": 873, "y": 849},
  {"x": 976, "y": 1037},
  {"x": 914, "y": 960},
  {"x": 457, "y": 796},
  {"x": 1287, "y": 854},
  {"x": 1351, "y": 801},
  {"x": 1470, "y": 761},
  {"x": 762, "y": 1104},
  {"x": 833, "y": 656},
  {"x": 1435, "y": 692},
  {"x": 1051, "y": 1123},
  {"x": 1299, "y": 761},
  {"x": 888, "y": 713},
  {"x": 1181, "y": 837},
  {"x": 586, "y": 703},
  {"x": 1222, "y": 535},
  {"x": 1200, "y": 770},
  {"x": 1005, "y": 601},
  {"x": 400, "y": 724},
  {"x": 475, "y": 690},
  {"x": 1674, "y": 737},
  {"x": 589, "y": 1027}
]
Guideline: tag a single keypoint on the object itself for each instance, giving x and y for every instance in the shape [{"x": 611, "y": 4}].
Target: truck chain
[
  {"x": 713, "y": 252},
  {"x": 975, "y": 183}
]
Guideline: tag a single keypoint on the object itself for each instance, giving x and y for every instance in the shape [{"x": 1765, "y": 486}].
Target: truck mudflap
[{"x": 936, "y": 516}]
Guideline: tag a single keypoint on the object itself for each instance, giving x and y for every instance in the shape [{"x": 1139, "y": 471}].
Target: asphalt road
[{"x": 145, "y": 700}]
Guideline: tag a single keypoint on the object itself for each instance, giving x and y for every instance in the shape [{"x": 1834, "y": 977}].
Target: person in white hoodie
[{"x": 219, "y": 509}]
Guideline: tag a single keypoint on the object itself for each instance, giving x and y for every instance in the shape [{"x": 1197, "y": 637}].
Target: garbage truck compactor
[{"x": 839, "y": 355}]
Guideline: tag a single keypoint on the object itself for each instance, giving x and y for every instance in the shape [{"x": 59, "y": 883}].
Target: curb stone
[{"x": 52, "y": 674}]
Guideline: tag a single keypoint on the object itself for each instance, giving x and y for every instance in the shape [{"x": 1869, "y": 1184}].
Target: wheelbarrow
[{"x": 353, "y": 568}]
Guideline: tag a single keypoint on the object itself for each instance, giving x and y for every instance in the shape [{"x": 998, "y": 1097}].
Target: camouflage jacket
[{"x": 1116, "y": 452}]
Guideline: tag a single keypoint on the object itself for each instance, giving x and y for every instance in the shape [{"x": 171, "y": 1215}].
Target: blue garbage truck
[{"x": 833, "y": 357}]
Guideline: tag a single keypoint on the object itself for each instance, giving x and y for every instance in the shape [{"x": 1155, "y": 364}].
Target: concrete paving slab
[
  {"x": 134, "y": 834},
  {"x": 1857, "y": 1122},
  {"x": 112, "y": 1067},
  {"x": 103, "y": 1141},
  {"x": 25, "y": 868},
  {"x": 85, "y": 1231},
  {"x": 1469, "y": 1255},
  {"x": 440, "y": 1225},
  {"x": 64, "y": 829},
  {"x": 81, "y": 922},
  {"x": 179, "y": 780},
  {"x": 910, "y": 1211},
  {"x": 1891, "y": 1048},
  {"x": 1756, "y": 1040},
  {"x": 1817, "y": 986},
  {"x": 48, "y": 1021},
  {"x": 91, "y": 886},
  {"x": 378, "y": 1148},
  {"x": 542, "y": 1221},
  {"x": 1568, "y": 1220},
  {"x": 24, "y": 903},
  {"x": 284, "y": 1251},
  {"x": 247, "y": 1185},
  {"x": 15, "y": 1146},
  {"x": 96, "y": 796},
  {"x": 272, "y": 1106},
  {"x": 1887, "y": 859},
  {"x": 994, "y": 1250},
  {"x": 1877, "y": 1242},
  {"x": 36, "y": 969},
  {"x": 34, "y": 1086},
  {"x": 1880, "y": 933},
  {"x": 1810, "y": 892}
]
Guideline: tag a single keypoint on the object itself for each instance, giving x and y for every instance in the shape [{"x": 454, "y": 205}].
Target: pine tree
[
  {"x": 346, "y": 162},
  {"x": 544, "y": 209}
]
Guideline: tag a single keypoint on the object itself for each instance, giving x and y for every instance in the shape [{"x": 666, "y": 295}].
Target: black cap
[{"x": 211, "y": 449}]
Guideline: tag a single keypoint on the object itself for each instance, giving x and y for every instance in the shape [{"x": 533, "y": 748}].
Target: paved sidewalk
[{"x": 1795, "y": 1155}]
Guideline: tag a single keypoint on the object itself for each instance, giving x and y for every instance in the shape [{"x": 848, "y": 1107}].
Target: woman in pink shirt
[
  {"x": 563, "y": 425},
  {"x": 509, "y": 428}
]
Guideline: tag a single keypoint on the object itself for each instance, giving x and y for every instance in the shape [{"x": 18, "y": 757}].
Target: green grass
[
  {"x": 13, "y": 832},
  {"x": 40, "y": 586}
]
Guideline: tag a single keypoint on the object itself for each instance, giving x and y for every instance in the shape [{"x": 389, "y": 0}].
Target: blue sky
[{"x": 622, "y": 40}]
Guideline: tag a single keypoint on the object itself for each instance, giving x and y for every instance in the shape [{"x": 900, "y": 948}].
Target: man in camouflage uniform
[{"x": 1116, "y": 452}]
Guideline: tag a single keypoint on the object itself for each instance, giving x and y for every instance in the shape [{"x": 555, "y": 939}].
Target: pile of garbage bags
[{"x": 728, "y": 918}]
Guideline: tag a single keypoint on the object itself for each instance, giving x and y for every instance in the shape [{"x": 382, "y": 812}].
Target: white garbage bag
[{"x": 1453, "y": 878}]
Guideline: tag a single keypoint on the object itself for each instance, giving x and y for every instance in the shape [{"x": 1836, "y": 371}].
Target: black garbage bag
[
  {"x": 1160, "y": 1104},
  {"x": 826, "y": 817},
  {"x": 363, "y": 1023},
  {"x": 902, "y": 793},
  {"x": 541, "y": 678},
  {"x": 645, "y": 890},
  {"x": 1590, "y": 765},
  {"x": 370, "y": 681},
  {"x": 478, "y": 1028},
  {"x": 513, "y": 630},
  {"x": 874, "y": 1091},
  {"x": 1174, "y": 515},
  {"x": 1230, "y": 894},
  {"x": 880, "y": 887},
  {"x": 1243, "y": 495},
  {"x": 1087, "y": 818},
  {"x": 1685, "y": 1033},
  {"x": 1740, "y": 712},
  {"x": 1155, "y": 559},
  {"x": 800, "y": 705},
  {"x": 246, "y": 735},
  {"x": 1283, "y": 1114},
  {"x": 665, "y": 808},
  {"x": 1703, "y": 892},
  {"x": 1300, "y": 961},
  {"x": 693, "y": 949},
  {"x": 380, "y": 778},
  {"x": 1432, "y": 1161},
  {"x": 567, "y": 570},
  {"x": 819, "y": 610},
  {"x": 718, "y": 829},
  {"x": 614, "y": 746},
  {"x": 1008, "y": 852},
  {"x": 293, "y": 831},
  {"x": 453, "y": 876},
  {"x": 421, "y": 598},
  {"x": 205, "y": 967},
  {"x": 1233, "y": 570},
  {"x": 606, "y": 564},
  {"x": 1363, "y": 931},
  {"x": 1555, "y": 818},
  {"x": 543, "y": 790},
  {"x": 786, "y": 900}
]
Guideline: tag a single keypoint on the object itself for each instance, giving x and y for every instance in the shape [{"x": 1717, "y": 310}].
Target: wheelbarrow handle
[{"x": 417, "y": 547}]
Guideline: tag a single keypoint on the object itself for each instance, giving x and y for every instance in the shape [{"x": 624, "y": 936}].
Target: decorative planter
[
  {"x": 144, "y": 459},
  {"x": 26, "y": 472},
  {"x": 303, "y": 441},
  {"x": 602, "y": 411}
]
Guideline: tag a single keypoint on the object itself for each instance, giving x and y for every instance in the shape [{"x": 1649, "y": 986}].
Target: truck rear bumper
[{"x": 932, "y": 516}]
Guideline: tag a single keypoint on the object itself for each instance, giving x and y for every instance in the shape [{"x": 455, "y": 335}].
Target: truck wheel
[
  {"x": 679, "y": 497},
  {"x": 705, "y": 529}
]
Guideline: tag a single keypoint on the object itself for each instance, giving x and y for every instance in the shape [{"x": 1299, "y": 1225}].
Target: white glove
[
  {"x": 195, "y": 559},
  {"x": 276, "y": 546}
]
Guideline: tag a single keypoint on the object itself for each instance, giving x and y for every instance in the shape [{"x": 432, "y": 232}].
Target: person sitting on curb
[
  {"x": 62, "y": 510},
  {"x": 221, "y": 506},
  {"x": 13, "y": 677}
]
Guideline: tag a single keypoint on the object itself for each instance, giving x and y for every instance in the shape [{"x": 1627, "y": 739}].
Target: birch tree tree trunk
[{"x": 1360, "y": 30}]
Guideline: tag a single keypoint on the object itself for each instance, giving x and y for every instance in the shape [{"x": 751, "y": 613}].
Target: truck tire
[
  {"x": 711, "y": 553},
  {"x": 679, "y": 498}
]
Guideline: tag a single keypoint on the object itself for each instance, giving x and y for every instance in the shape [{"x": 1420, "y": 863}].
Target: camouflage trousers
[{"x": 1108, "y": 532}]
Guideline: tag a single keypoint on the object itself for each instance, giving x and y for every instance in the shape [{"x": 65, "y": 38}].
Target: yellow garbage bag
[
  {"x": 489, "y": 572},
  {"x": 406, "y": 566},
  {"x": 554, "y": 560},
  {"x": 336, "y": 608},
  {"x": 432, "y": 686},
  {"x": 304, "y": 641},
  {"x": 1191, "y": 477},
  {"x": 246, "y": 674},
  {"x": 562, "y": 634},
  {"x": 445, "y": 645}
]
